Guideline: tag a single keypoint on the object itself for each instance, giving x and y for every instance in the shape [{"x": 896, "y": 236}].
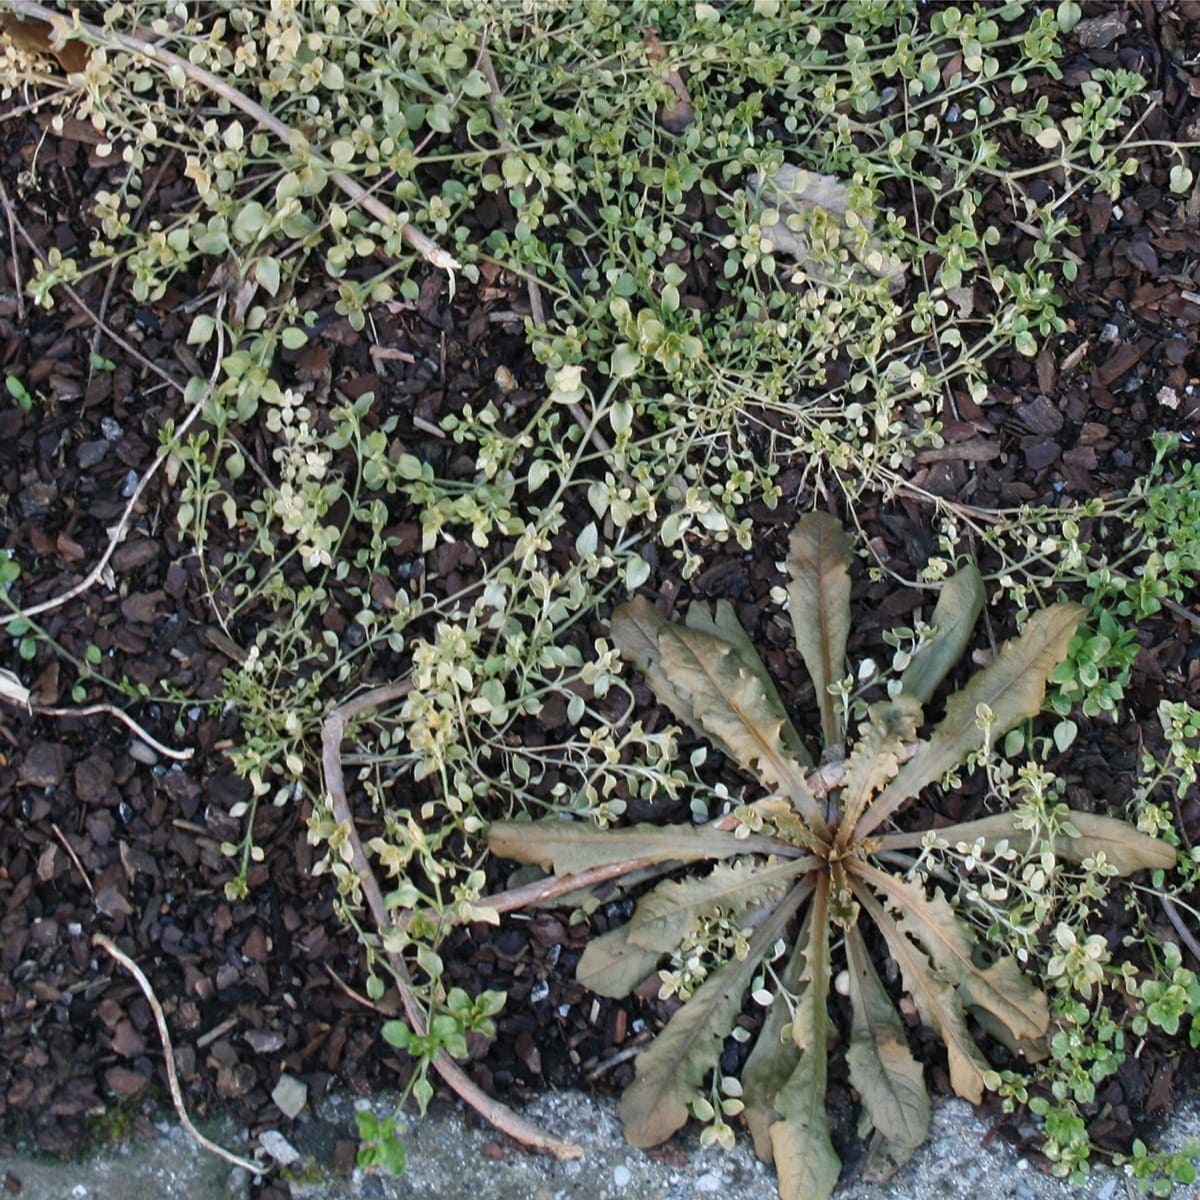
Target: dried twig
[
  {"x": 165, "y": 59},
  {"x": 93, "y": 710},
  {"x": 1185, "y": 934},
  {"x": 358, "y": 998},
  {"x": 499, "y": 1115},
  {"x": 58, "y": 833},
  {"x": 16, "y": 258},
  {"x": 106, "y": 944}
]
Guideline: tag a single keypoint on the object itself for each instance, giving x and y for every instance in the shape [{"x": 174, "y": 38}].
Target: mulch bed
[{"x": 96, "y": 834}]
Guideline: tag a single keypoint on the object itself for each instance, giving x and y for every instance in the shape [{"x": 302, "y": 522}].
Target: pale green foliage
[{"x": 816, "y": 837}]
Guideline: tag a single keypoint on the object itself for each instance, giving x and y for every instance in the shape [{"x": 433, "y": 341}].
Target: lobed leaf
[
  {"x": 1012, "y": 687},
  {"x": 612, "y": 965},
  {"x": 731, "y": 706},
  {"x": 636, "y": 626},
  {"x": 805, "y": 1160},
  {"x": 876, "y": 758},
  {"x": 883, "y": 1071},
  {"x": 1121, "y": 844},
  {"x": 723, "y": 623},
  {"x": 935, "y": 997},
  {"x": 674, "y": 909},
  {"x": 819, "y": 603},
  {"x": 1001, "y": 988},
  {"x": 670, "y": 1072},
  {"x": 954, "y": 616},
  {"x": 571, "y": 847}
]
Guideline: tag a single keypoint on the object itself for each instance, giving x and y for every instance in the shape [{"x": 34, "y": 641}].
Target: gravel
[{"x": 453, "y": 1157}]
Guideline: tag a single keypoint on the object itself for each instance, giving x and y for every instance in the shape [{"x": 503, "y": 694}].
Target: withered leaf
[
  {"x": 1001, "y": 988},
  {"x": 819, "y": 604},
  {"x": 723, "y": 623},
  {"x": 611, "y": 965},
  {"x": 954, "y": 616},
  {"x": 1122, "y": 845},
  {"x": 675, "y": 908},
  {"x": 876, "y": 757},
  {"x": 655, "y": 1105},
  {"x": 1012, "y": 687},
  {"x": 569, "y": 847},
  {"x": 805, "y": 1160},
  {"x": 936, "y": 1000},
  {"x": 882, "y": 1069},
  {"x": 731, "y": 706}
]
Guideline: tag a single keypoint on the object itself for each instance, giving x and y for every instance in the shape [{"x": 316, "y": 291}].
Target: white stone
[{"x": 290, "y": 1095}]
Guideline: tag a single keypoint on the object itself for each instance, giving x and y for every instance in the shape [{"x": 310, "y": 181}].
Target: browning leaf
[
  {"x": 730, "y": 704},
  {"x": 724, "y": 624},
  {"x": 1013, "y": 687},
  {"x": 1002, "y": 989},
  {"x": 935, "y": 997},
  {"x": 1123, "y": 846},
  {"x": 954, "y": 616},
  {"x": 39, "y": 37},
  {"x": 674, "y": 909},
  {"x": 819, "y": 603},
  {"x": 882, "y": 1069},
  {"x": 636, "y": 626},
  {"x": 774, "y": 1057},
  {"x": 669, "y": 1073},
  {"x": 876, "y": 757},
  {"x": 805, "y": 1160},
  {"x": 569, "y": 847},
  {"x": 611, "y": 965}
]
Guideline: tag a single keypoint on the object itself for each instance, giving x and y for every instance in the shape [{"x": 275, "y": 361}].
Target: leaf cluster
[{"x": 818, "y": 850}]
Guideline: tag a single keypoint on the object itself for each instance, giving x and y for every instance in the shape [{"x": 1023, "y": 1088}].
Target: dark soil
[{"x": 96, "y": 834}]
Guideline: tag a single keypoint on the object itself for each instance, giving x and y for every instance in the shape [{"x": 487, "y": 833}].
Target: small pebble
[
  {"x": 140, "y": 752},
  {"x": 130, "y": 485},
  {"x": 290, "y": 1095},
  {"x": 111, "y": 429},
  {"x": 621, "y": 1176},
  {"x": 278, "y": 1147},
  {"x": 1109, "y": 333},
  {"x": 539, "y": 991},
  {"x": 710, "y": 1181}
]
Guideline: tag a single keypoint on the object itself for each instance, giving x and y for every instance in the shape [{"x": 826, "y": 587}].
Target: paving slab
[
  {"x": 452, "y": 1157},
  {"x": 169, "y": 1167}
]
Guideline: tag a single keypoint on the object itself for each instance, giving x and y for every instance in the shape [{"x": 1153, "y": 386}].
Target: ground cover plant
[{"x": 489, "y": 319}]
